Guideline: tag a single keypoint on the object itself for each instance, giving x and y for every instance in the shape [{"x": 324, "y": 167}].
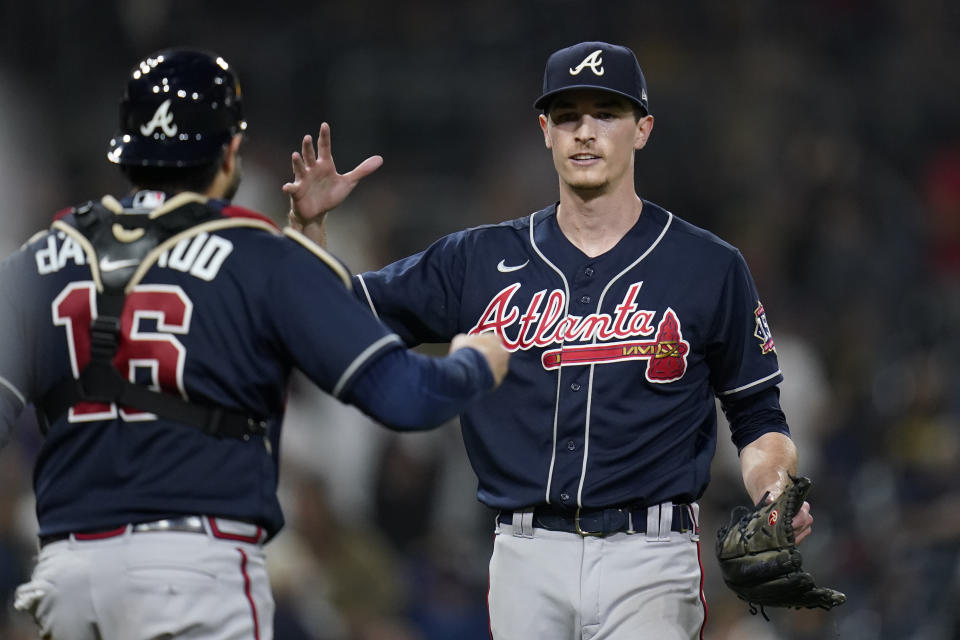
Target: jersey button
[
  {"x": 588, "y": 271},
  {"x": 575, "y": 386},
  {"x": 585, "y": 300},
  {"x": 571, "y": 445}
]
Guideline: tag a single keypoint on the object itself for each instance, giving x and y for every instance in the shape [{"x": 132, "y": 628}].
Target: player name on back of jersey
[
  {"x": 666, "y": 353},
  {"x": 201, "y": 255}
]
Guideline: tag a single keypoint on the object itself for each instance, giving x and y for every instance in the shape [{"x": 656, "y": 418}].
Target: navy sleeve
[
  {"x": 740, "y": 348},
  {"x": 318, "y": 324},
  {"x": 419, "y": 297},
  {"x": 408, "y": 391},
  {"x": 754, "y": 415}
]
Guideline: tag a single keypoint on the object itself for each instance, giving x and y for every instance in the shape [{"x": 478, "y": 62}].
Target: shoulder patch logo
[
  {"x": 594, "y": 61},
  {"x": 762, "y": 332},
  {"x": 163, "y": 119}
]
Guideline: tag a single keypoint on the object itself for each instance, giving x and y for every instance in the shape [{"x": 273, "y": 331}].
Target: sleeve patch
[{"x": 762, "y": 332}]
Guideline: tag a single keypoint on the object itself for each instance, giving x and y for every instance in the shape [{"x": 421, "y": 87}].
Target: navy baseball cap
[{"x": 594, "y": 65}]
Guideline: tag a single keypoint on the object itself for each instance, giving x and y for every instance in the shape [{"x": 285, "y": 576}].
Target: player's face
[{"x": 593, "y": 135}]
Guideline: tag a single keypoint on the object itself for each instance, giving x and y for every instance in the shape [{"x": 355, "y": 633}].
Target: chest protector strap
[{"x": 129, "y": 241}]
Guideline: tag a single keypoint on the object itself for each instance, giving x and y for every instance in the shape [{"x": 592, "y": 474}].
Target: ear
[
  {"x": 230, "y": 157},
  {"x": 543, "y": 127},
  {"x": 642, "y": 134}
]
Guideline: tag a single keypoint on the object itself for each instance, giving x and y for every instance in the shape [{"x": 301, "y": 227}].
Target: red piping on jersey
[
  {"x": 233, "y": 211},
  {"x": 101, "y": 535},
  {"x": 246, "y": 591},
  {"x": 223, "y": 535}
]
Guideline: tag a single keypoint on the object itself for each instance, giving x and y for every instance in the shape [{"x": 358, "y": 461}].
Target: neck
[{"x": 595, "y": 223}]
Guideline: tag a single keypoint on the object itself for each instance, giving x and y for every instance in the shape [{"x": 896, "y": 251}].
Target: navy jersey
[
  {"x": 610, "y": 398},
  {"x": 219, "y": 319}
]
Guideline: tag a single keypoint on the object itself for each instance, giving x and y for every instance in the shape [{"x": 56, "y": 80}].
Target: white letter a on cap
[
  {"x": 161, "y": 118},
  {"x": 594, "y": 61}
]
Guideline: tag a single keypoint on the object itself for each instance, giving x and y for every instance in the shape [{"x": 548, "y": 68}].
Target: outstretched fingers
[
  {"x": 324, "y": 152},
  {"x": 299, "y": 170},
  {"x": 316, "y": 186},
  {"x": 307, "y": 151}
]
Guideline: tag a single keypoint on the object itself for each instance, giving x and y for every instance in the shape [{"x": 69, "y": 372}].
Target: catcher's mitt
[{"x": 759, "y": 558}]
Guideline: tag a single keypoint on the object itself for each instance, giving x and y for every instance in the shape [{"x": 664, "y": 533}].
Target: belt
[
  {"x": 222, "y": 528},
  {"x": 604, "y": 522}
]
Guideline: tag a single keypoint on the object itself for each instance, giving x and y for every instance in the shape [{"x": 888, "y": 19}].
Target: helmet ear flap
[{"x": 179, "y": 107}]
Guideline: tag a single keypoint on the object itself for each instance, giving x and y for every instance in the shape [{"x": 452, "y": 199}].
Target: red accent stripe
[
  {"x": 233, "y": 211},
  {"x": 703, "y": 598},
  {"x": 246, "y": 591},
  {"x": 223, "y": 535},
  {"x": 489, "y": 621},
  {"x": 101, "y": 535}
]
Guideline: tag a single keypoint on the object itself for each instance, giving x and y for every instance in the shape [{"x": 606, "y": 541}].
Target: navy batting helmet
[{"x": 178, "y": 110}]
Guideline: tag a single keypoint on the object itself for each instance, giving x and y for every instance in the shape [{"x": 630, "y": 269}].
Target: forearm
[
  {"x": 409, "y": 391},
  {"x": 766, "y": 463}
]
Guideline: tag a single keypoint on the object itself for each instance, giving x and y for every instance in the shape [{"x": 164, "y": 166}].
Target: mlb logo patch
[{"x": 762, "y": 332}]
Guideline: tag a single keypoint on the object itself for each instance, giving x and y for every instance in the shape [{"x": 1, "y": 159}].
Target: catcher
[{"x": 758, "y": 553}]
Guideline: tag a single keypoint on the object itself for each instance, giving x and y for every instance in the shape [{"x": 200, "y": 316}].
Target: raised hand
[{"x": 317, "y": 187}]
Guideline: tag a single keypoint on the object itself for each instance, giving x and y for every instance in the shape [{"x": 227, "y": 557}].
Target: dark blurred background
[{"x": 822, "y": 138}]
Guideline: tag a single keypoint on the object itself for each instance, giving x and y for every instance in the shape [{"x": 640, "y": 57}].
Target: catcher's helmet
[{"x": 178, "y": 110}]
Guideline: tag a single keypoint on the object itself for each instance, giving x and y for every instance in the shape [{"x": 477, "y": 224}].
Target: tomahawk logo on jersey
[{"x": 635, "y": 341}]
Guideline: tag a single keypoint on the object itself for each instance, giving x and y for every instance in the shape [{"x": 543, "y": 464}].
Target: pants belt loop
[
  {"x": 523, "y": 523},
  {"x": 695, "y": 516},
  {"x": 666, "y": 521},
  {"x": 630, "y": 529},
  {"x": 653, "y": 523},
  {"x": 207, "y": 526}
]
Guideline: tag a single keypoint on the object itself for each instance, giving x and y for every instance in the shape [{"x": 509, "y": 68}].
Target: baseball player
[
  {"x": 626, "y": 322},
  {"x": 155, "y": 334}
]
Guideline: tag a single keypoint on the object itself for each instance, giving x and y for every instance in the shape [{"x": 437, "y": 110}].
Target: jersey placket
[{"x": 573, "y": 399}]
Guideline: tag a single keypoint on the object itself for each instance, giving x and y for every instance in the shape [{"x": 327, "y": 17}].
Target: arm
[
  {"x": 313, "y": 320},
  {"x": 765, "y": 464},
  {"x": 406, "y": 390},
  {"x": 317, "y": 188},
  {"x": 768, "y": 456}
]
